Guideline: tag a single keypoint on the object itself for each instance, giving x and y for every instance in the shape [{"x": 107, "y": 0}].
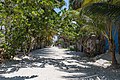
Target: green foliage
[
  {"x": 104, "y": 10},
  {"x": 27, "y": 23}
]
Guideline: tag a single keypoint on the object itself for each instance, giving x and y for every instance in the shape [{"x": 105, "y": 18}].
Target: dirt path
[
  {"x": 43, "y": 64},
  {"x": 56, "y": 64}
]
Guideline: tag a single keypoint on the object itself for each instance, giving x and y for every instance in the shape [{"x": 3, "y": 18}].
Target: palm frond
[
  {"x": 105, "y": 10},
  {"x": 76, "y": 4}
]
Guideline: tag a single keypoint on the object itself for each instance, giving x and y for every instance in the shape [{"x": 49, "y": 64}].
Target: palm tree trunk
[
  {"x": 111, "y": 43},
  {"x": 112, "y": 51},
  {"x": 119, "y": 37}
]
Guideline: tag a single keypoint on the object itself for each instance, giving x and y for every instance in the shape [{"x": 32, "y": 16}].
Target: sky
[
  {"x": 65, "y": 6},
  {"x": 58, "y": 10}
]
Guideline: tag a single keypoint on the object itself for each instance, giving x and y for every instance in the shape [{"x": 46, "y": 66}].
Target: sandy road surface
[{"x": 56, "y": 64}]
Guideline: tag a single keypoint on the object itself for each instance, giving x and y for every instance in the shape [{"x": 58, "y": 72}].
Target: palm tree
[
  {"x": 119, "y": 37},
  {"x": 109, "y": 9},
  {"x": 112, "y": 13}
]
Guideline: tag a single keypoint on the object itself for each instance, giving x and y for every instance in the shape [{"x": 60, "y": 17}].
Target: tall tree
[
  {"x": 111, "y": 10},
  {"x": 27, "y": 22}
]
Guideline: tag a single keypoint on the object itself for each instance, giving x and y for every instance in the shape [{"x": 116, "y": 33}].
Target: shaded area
[
  {"x": 88, "y": 70},
  {"x": 77, "y": 66},
  {"x": 38, "y": 59},
  {"x": 17, "y": 77},
  {"x": 15, "y": 65}
]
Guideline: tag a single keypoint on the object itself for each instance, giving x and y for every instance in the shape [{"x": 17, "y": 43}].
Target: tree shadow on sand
[
  {"x": 17, "y": 77},
  {"x": 38, "y": 60},
  {"x": 15, "y": 65},
  {"x": 86, "y": 70},
  {"x": 70, "y": 65}
]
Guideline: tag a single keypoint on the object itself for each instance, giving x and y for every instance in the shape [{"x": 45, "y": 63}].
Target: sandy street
[{"x": 56, "y": 64}]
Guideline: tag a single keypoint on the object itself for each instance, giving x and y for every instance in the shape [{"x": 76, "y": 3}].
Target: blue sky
[
  {"x": 58, "y": 10},
  {"x": 65, "y": 6}
]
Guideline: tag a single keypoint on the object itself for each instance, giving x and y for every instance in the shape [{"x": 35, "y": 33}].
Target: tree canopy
[{"x": 28, "y": 23}]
